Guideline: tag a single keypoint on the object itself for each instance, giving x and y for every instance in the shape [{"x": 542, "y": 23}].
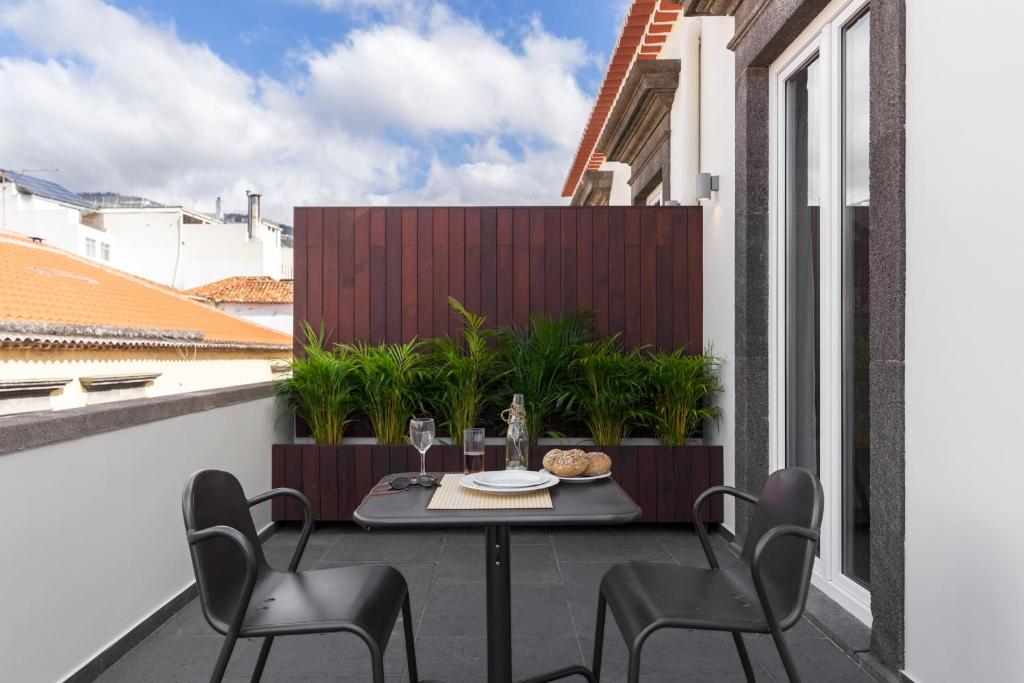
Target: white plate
[
  {"x": 510, "y": 479},
  {"x": 581, "y": 480},
  {"x": 469, "y": 483}
]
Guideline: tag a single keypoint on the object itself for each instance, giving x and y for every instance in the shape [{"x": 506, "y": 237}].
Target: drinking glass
[
  {"x": 421, "y": 433},
  {"x": 472, "y": 450}
]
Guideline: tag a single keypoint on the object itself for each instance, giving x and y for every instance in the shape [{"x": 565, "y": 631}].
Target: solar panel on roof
[{"x": 45, "y": 188}]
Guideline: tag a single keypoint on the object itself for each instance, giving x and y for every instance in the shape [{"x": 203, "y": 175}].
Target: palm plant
[
  {"x": 390, "y": 377},
  {"x": 462, "y": 370},
  {"x": 606, "y": 391},
  {"x": 536, "y": 362},
  {"x": 678, "y": 388},
  {"x": 322, "y": 389}
]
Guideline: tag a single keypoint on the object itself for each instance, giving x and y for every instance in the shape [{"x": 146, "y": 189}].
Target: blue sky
[{"x": 308, "y": 101}]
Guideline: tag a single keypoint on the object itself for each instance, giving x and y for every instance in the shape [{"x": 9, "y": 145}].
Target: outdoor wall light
[{"x": 706, "y": 184}]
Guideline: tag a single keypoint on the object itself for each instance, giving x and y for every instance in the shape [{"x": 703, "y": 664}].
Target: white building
[
  {"x": 44, "y": 209},
  {"x": 258, "y": 298},
  {"x": 861, "y": 252}
]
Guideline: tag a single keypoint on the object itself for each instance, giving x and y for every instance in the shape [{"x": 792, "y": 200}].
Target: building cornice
[
  {"x": 645, "y": 101},
  {"x": 594, "y": 189}
]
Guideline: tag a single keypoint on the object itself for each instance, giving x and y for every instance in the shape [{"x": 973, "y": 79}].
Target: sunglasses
[{"x": 399, "y": 484}]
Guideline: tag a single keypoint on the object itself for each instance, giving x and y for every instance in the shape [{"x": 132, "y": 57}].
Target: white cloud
[{"x": 120, "y": 103}]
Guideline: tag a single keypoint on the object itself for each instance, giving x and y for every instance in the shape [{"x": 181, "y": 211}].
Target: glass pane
[
  {"x": 803, "y": 285},
  {"x": 856, "y": 465}
]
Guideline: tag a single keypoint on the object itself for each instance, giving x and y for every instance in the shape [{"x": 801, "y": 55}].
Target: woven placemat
[{"x": 451, "y": 496}]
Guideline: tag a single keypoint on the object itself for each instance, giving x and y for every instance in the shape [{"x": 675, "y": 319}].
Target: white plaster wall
[
  {"x": 622, "y": 193},
  {"x": 717, "y": 156},
  {"x": 216, "y": 251},
  {"x": 147, "y": 242},
  {"x": 94, "y": 535},
  {"x": 965, "y": 321},
  {"x": 34, "y": 216},
  {"x": 274, "y": 316},
  {"x": 178, "y": 372},
  {"x": 684, "y": 44}
]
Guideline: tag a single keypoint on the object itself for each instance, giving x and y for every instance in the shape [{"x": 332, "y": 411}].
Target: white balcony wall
[
  {"x": 95, "y": 533},
  {"x": 57, "y": 224},
  {"x": 964, "y": 366}
]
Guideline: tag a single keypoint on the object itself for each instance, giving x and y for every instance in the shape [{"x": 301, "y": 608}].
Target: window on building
[
  {"x": 104, "y": 251},
  {"x": 90, "y": 247}
]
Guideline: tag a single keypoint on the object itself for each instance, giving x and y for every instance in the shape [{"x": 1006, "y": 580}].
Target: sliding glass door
[{"x": 820, "y": 315}]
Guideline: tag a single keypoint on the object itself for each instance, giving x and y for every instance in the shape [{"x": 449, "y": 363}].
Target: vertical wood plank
[
  {"x": 409, "y": 293},
  {"x": 617, "y": 271},
  {"x": 425, "y": 273},
  {"x": 489, "y": 264},
  {"x": 683, "y": 460},
  {"x": 632, "y": 333},
  {"x": 663, "y": 279},
  {"x": 451, "y": 459},
  {"x": 537, "y": 279},
  {"x": 362, "y": 275},
  {"x": 442, "y": 314},
  {"x": 699, "y": 477},
  {"x": 552, "y": 263},
  {"x": 473, "y": 242},
  {"x": 505, "y": 276},
  {"x": 648, "y": 276},
  {"x": 680, "y": 283},
  {"x": 457, "y": 260},
  {"x": 311, "y": 476},
  {"x": 435, "y": 459},
  {"x": 347, "y": 275},
  {"x": 378, "y": 276},
  {"x": 600, "y": 266},
  {"x": 348, "y": 494},
  {"x": 568, "y": 237},
  {"x": 364, "y": 479},
  {"x": 666, "y": 483},
  {"x": 315, "y": 268},
  {"x": 631, "y": 473},
  {"x": 521, "y": 265},
  {"x": 695, "y": 274},
  {"x": 647, "y": 483},
  {"x": 301, "y": 275},
  {"x": 585, "y": 259},
  {"x": 329, "y": 284},
  {"x": 328, "y": 456},
  {"x": 715, "y": 478},
  {"x": 381, "y": 460},
  {"x": 393, "y": 259},
  {"x": 293, "y": 480}
]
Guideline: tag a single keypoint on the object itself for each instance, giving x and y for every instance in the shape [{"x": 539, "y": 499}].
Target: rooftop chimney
[
  {"x": 254, "y": 213},
  {"x": 220, "y": 212}
]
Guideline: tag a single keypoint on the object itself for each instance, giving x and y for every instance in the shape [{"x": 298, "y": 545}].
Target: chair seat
[
  {"x": 644, "y": 593},
  {"x": 286, "y": 603}
]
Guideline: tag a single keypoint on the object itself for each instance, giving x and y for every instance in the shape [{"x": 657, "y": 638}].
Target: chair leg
[
  {"x": 634, "y": 661},
  {"x": 261, "y": 662},
  {"x": 376, "y": 656},
  {"x": 410, "y": 641},
  {"x": 223, "y": 658},
  {"x": 741, "y": 648},
  {"x": 785, "y": 655},
  {"x": 602, "y": 607}
]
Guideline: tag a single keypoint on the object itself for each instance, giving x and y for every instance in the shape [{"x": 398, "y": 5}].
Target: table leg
[
  {"x": 499, "y": 606},
  {"x": 499, "y": 615}
]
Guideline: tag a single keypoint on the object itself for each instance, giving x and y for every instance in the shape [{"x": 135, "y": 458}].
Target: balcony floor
[{"x": 555, "y": 580}]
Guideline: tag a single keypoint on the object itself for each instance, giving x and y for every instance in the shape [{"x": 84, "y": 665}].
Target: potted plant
[
  {"x": 390, "y": 378},
  {"x": 605, "y": 392},
  {"x": 322, "y": 389},
  {"x": 461, "y": 372},
  {"x": 678, "y": 388},
  {"x": 536, "y": 361}
]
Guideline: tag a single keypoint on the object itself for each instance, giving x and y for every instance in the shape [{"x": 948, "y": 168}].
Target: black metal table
[{"x": 597, "y": 503}]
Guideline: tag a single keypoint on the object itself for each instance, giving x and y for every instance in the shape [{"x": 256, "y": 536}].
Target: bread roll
[
  {"x": 565, "y": 463},
  {"x": 597, "y": 463}
]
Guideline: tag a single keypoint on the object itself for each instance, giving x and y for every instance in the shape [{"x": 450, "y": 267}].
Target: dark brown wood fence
[{"x": 384, "y": 274}]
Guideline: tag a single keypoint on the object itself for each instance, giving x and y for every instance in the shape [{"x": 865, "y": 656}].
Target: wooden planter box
[{"x": 663, "y": 480}]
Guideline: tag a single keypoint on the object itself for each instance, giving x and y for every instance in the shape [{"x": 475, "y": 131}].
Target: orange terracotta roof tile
[
  {"x": 52, "y": 295},
  {"x": 246, "y": 289}
]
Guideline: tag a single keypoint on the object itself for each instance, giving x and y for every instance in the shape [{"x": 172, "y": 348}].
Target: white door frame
[{"x": 823, "y": 38}]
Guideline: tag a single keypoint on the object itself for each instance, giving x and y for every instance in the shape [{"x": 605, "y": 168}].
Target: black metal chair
[
  {"x": 244, "y": 597},
  {"x": 763, "y": 592}
]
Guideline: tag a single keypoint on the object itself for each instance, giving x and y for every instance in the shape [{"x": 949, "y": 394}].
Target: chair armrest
[
  {"x": 698, "y": 505},
  {"x": 307, "y": 524},
  {"x": 767, "y": 539},
  {"x": 248, "y": 552}
]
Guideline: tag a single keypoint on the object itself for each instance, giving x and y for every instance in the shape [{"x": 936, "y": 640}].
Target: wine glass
[{"x": 421, "y": 433}]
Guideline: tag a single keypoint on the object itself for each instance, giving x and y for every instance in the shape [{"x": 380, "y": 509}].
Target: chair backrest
[
  {"x": 213, "y": 498},
  {"x": 790, "y": 496}
]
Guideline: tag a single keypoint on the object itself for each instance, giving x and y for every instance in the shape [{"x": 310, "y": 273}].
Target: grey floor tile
[
  {"x": 608, "y": 545},
  {"x": 465, "y": 562},
  {"x": 384, "y": 545},
  {"x": 280, "y": 556},
  {"x": 178, "y": 660},
  {"x": 328, "y": 654},
  {"x": 816, "y": 660},
  {"x": 460, "y": 609},
  {"x": 323, "y": 534},
  {"x": 452, "y": 659},
  {"x": 519, "y": 535},
  {"x": 839, "y": 624}
]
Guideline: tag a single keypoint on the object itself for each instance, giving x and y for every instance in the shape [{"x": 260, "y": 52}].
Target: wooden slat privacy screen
[{"x": 385, "y": 274}]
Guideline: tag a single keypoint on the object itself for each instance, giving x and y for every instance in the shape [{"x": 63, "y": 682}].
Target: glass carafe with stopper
[{"x": 517, "y": 439}]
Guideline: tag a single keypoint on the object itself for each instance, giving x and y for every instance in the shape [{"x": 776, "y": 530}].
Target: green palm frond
[
  {"x": 391, "y": 378},
  {"x": 679, "y": 390}
]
